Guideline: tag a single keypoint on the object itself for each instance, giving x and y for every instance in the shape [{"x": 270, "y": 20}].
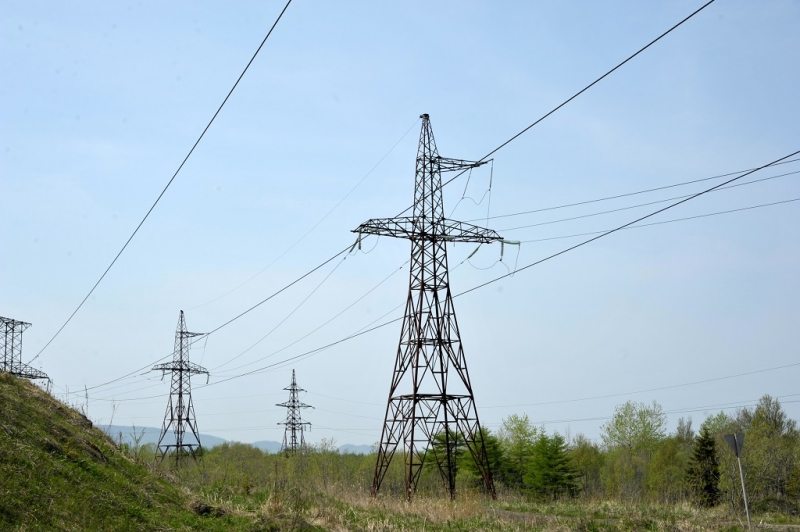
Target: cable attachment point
[
  {"x": 356, "y": 243},
  {"x": 510, "y": 243}
]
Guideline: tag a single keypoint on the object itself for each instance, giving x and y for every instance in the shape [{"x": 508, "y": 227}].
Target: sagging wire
[
  {"x": 470, "y": 262},
  {"x": 357, "y": 244},
  {"x": 503, "y": 244},
  {"x": 489, "y": 204},
  {"x": 400, "y": 268},
  {"x": 204, "y": 350},
  {"x": 373, "y": 247},
  {"x": 502, "y": 250},
  {"x": 466, "y": 186},
  {"x": 288, "y": 316}
]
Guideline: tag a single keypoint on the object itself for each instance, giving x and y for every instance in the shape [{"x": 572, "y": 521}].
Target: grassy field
[{"x": 57, "y": 472}]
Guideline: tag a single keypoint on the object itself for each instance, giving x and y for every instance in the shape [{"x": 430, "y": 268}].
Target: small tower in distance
[
  {"x": 293, "y": 434},
  {"x": 179, "y": 417},
  {"x": 11, "y": 350}
]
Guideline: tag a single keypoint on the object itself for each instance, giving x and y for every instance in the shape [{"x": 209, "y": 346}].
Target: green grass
[{"x": 57, "y": 472}]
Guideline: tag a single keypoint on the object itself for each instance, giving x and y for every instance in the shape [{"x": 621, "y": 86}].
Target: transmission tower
[
  {"x": 179, "y": 417},
  {"x": 12, "y": 351},
  {"x": 430, "y": 396},
  {"x": 293, "y": 434}
]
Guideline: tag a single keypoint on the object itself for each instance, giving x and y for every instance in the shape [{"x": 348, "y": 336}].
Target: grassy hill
[{"x": 57, "y": 472}]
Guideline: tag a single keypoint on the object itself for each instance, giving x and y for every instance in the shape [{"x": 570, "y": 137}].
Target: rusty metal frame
[{"x": 430, "y": 351}]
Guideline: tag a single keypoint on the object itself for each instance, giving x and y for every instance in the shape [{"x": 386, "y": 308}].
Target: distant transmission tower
[
  {"x": 430, "y": 397},
  {"x": 11, "y": 356},
  {"x": 180, "y": 411},
  {"x": 293, "y": 434}
]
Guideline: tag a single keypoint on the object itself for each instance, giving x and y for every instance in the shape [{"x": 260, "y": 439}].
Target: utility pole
[
  {"x": 430, "y": 396},
  {"x": 180, "y": 410},
  {"x": 293, "y": 434},
  {"x": 11, "y": 355}
]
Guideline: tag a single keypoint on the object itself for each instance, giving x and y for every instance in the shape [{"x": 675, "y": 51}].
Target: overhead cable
[
  {"x": 316, "y": 224},
  {"x": 568, "y": 100},
  {"x": 623, "y": 226},
  {"x": 647, "y": 390},
  {"x": 666, "y": 221},
  {"x": 516, "y": 270},
  {"x": 198, "y": 338},
  {"x": 153, "y": 206},
  {"x": 607, "y": 198},
  {"x": 629, "y": 207}
]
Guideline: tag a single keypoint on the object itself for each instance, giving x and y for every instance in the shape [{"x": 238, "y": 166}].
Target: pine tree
[
  {"x": 438, "y": 450},
  {"x": 703, "y": 472},
  {"x": 493, "y": 453},
  {"x": 550, "y": 469}
]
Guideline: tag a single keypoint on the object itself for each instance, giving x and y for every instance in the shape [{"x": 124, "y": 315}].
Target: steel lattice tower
[
  {"x": 430, "y": 394},
  {"x": 11, "y": 356},
  {"x": 294, "y": 424},
  {"x": 180, "y": 411}
]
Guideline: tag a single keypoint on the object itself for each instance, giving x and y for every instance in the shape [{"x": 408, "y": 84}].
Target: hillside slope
[{"x": 57, "y": 472}]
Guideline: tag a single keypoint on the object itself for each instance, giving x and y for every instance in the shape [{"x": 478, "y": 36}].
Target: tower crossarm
[
  {"x": 446, "y": 164},
  {"x": 416, "y": 229},
  {"x": 293, "y": 404},
  {"x": 185, "y": 366},
  {"x": 27, "y": 372}
]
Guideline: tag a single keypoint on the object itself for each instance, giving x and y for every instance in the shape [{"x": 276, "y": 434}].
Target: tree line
[{"x": 637, "y": 459}]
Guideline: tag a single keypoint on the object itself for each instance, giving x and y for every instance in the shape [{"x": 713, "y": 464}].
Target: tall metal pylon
[
  {"x": 294, "y": 424},
  {"x": 11, "y": 356},
  {"x": 180, "y": 410},
  {"x": 430, "y": 396}
]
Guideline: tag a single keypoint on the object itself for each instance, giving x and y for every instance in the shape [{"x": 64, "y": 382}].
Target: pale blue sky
[{"x": 101, "y": 101}]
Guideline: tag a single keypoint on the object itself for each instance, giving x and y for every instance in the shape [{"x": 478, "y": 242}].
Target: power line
[
  {"x": 590, "y": 215},
  {"x": 278, "y": 292},
  {"x": 135, "y": 372},
  {"x": 565, "y": 102},
  {"x": 447, "y": 182},
  {"x": 607, "y": 198},
  {"x": 168, "y": 182},
  {"x": 325, "y": 347},
  {"x": 317, "y": 350},
  {"x": 296, "y": 308},
  {"x": 316, "y": 224},
  {"x": 197, "y": 339},
  {"x": 325, "y": 323},
  {"x": 658, "y": 389},
  {"x": 305, "y": 354},
  {"x": 482, "y": 285},
  {"x": 345, "y": 400},
  {"x": 621, "y": 227},
  {"x": 667, "y": 221}
]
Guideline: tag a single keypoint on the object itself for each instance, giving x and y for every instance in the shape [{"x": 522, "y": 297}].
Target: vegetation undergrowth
[{"x": 57, "y": 472}]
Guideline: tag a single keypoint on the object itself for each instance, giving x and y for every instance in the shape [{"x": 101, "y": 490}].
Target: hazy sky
[{"x": 101, "y": 101}]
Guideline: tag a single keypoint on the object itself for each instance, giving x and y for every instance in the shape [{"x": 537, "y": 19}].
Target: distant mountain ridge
[{"x": 145, "y": 435}]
